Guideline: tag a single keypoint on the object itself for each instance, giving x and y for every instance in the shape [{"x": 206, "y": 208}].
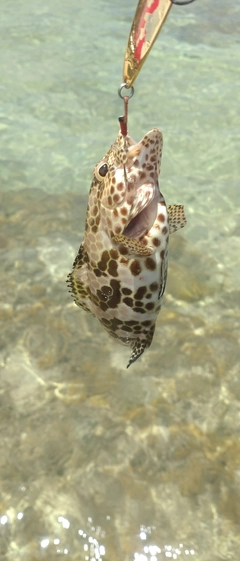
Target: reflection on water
[
  {"x": 97, "y": 462},
  {"x": 91, "y": 548}
]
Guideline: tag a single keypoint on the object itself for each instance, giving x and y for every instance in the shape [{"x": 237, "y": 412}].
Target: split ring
[{"x": 124, "y": 85}]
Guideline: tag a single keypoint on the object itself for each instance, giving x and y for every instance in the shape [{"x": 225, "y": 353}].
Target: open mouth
[{"x": 142, "y": 222}]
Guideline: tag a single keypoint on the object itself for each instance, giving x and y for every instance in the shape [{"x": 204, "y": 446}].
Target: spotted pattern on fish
[{"x": 120, "y": 272}]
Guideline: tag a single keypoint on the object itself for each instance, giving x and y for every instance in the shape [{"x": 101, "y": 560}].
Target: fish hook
[
  {"x": 123, "y": 119},
  {"x": 183, "y": 3}
]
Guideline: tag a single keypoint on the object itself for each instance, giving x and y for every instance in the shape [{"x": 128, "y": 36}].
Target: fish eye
[{"x": 102, "y": 170}]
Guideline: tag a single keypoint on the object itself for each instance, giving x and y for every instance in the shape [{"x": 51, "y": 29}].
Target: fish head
[{"x": 128, "y": 176}]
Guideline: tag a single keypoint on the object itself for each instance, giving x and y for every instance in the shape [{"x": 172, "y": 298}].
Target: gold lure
[{"x": 148, "y": 20}]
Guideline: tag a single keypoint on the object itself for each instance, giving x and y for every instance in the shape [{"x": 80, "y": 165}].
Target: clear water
[{"x": 96, "y": 462}]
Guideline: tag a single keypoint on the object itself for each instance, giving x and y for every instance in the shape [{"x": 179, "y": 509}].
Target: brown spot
[
  {"x": 116, "y": 198},
  {"x": 123, "y": 250},
  {"x": 140, "y": 292},
  {"x": 94, "y": 228},
  {"x": 146, "y": 323},
  {"x": 161, "y": 217},
  {"x": 164, "y": 230},
  {"x": 115, "y": 285},
  {"x": 130, "y": 199},
  {"x": 94, "y": 298},
  {"x": 114, "y": 335},
  {"x": 106, "y": 290},
  {"x": 113, "y": 180},
  {"x": 105, "y": 321},
  {"x": 126, "y": 291},
  {"x": 137, "y": 328},
  {"x": 142, "y": 175},
  {"x": 128, "y": 329},
  {"x": 143, "y": 240},
  {"x": 112, "y": 190},
  {"x": 156, "y": 242},
  {"x": 102, "y": 264},
  {"x": 123, "y": 211},
  {"x": 135, "y": 268},
  {"x": 109, "y": 200},
  {"x": 131, "y": 322},
  {"x": 154, "y": 286},
  {"x": 139, "y": 303},
  {"x": 116, "y": 297},
  {"x": 103, "y": 306},
  {"x": 97, "y": 272},
  {"x": 114, "y": 253},
  {"x": 136, "y": 162},
  {"x": 113, "y": 324},
  {"x": 115, "y": 212},
  {"x": 118, "y": 230},
  {"x": 150, "y": 306},
  {"x": 139, "y": 310},
  {"x": 162, "y": 254},
  {"x": 94, "y": 210},
  {"x": 116, "y": 322},
  {"x": 112, "y": 268},
  {"x": 128, "y": 301},
  {"x": 101, "y": 295},
  {"x": 120, "y": 186},
  {"x": 113, "y": 302},
  {"x": 124, "y": 260},
  {"x": 150, "y": 264}
]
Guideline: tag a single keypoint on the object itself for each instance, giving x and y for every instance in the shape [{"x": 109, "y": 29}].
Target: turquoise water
[{"x": 96, "y": 462}]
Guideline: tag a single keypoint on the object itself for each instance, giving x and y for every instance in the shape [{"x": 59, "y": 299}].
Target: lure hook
[{"x": 123, "y": 119}]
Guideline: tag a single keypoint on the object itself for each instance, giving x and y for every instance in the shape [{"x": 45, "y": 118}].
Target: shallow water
[{"x": 96, "y": 462}]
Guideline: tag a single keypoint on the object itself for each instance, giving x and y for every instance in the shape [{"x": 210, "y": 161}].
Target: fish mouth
[{"x": 142, "y": 221}]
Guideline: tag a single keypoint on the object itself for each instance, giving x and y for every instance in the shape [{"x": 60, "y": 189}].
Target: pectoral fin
[
  {"x": 133, "y": 246},
  {"x": 177, "y": 218}
]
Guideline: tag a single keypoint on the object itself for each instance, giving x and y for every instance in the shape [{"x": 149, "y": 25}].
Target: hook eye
[{"x": 183, "y": 3}]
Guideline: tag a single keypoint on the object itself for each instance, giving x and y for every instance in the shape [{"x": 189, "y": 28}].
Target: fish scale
[{"x": 120, "y": 272}]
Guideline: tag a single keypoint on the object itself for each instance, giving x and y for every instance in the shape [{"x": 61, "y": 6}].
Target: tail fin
[{"x": 140, "y": 345}]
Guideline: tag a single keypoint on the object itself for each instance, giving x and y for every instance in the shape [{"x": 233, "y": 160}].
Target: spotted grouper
[{"x": 120, "y": 272}]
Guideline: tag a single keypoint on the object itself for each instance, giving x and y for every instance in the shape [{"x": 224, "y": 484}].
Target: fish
[{"x": 120, "y": 272}]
